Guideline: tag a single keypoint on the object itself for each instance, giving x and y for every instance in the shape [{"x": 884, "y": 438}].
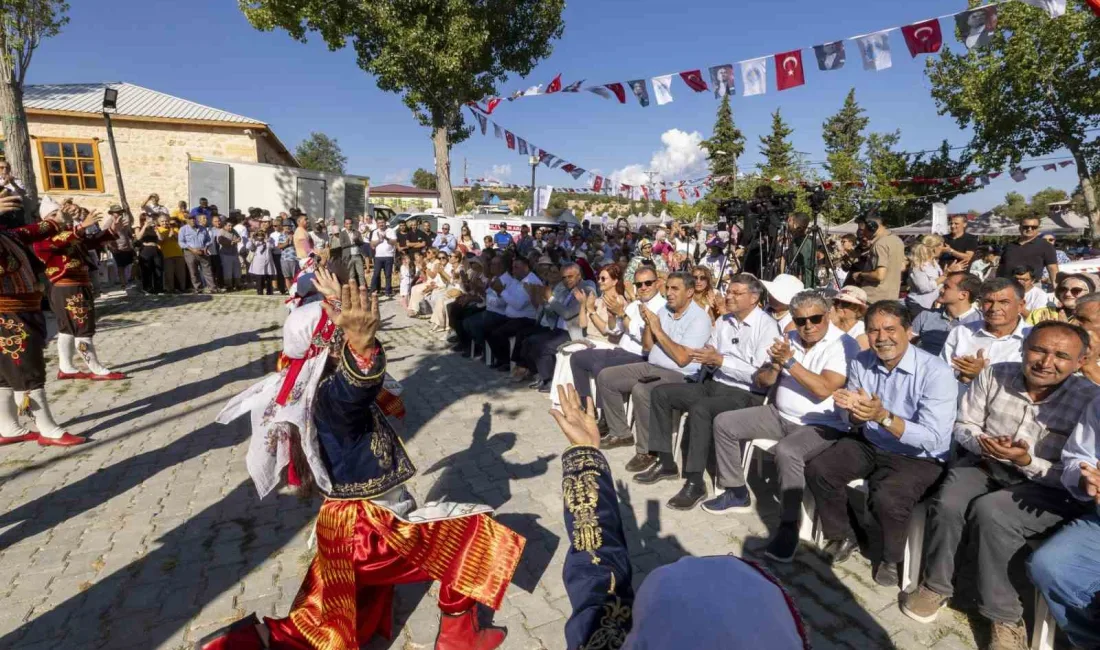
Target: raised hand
[
  {"x": 969, "y": 367},
  {"x": 358, "y": 317},
  {"x": 10, "y": 203},
  {"x": 780, "y": 351},
  {"x": 577, "y": 423},
  {"x": 325, "y": 282}
]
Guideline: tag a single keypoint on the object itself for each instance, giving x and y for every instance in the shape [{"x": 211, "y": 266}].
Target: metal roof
[{"x": 134, "y": 101}]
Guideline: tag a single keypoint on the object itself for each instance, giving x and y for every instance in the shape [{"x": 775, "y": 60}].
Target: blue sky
[{"x": 207, "y": 52}]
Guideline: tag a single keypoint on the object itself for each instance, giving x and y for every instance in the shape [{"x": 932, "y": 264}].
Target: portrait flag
[
  {"x": 1054, "y": 8},
  {"x": 788, "y": 70},
  {"x": 573, "y": 87},
  {"x": 620, "y": 92},
  {"x": 546, "y": 158},
  {"x": 662, "y": 89},
  {"x": 976, "y": 27},
  {"x": 1020, "y": 175},
  {"x": 599, "y": 90},
  {"x": 522, "y": 145},
  {"x": 577, "y": 172},
  {"x": 496, "y": 130},
  {"x": 482, "y": 121},
  {"x": 830, "y": 56},
  {"x": 694, "y": 79},
  {"x": 640, "y": 91},
  {"x": 557, "y": 163},
  {"x": 555, "y": 85},
  {"x": 721, "y": 77},
  {"x": 597, "y": 184},
  {"x": 754, "y": 77},
  {"x": 510, "y": 138},
  {"x": 874, "y": 49},
  {"x": 923, "y": 38}
]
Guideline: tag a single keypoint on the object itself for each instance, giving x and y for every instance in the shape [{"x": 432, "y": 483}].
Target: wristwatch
[
  {"x": 789, "y": 363},
  {"x": 887, "y": 421}
]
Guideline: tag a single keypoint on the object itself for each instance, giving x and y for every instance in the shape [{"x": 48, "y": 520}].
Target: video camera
[{"x": 764, "y": 214}]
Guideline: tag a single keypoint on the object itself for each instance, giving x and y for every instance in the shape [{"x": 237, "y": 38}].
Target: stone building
[
  {"x": 405, "y": 198},
  {"x": 155, "y": 135}
]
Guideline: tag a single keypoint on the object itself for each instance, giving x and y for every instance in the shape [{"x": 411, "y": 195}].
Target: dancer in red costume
[{"x": 324, "y": 419}]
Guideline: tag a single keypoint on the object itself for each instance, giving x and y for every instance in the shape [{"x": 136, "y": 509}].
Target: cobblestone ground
[{"x": 151, "y": 535}]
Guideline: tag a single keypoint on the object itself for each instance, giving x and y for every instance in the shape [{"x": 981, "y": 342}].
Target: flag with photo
[
  {"x": 874, "y": 49},
  {"x": 482, "y": 121},
  {"x": 976, "y": 27},
  {"x": 1067, "y": 163},
  {"x": 721, "y": 77},
  {"x": 662, "y": 89},
  {"x": 754, "y": 77},
  {"x": 1020, "y": 175},
  {"x": 923, "y": 37},
  {"x": 1050, "y": 167},
  {"x": 1054, "y": 8},
  {"x": 788, "y": 70},
  {"x": 577, "y": 172},
  {"x": 522, "y": 145},
  {"x": 497, "y": 130},
  {"x": 830, "y": 56},
  {"x": 573, "y": 87},
  {"x": 641, "y": 92},
  {"x": 694, "y": 79},
  {"x": 599, "y": 90}
]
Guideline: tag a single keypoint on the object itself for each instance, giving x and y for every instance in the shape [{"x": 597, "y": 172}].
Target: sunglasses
[
  {"x": 1074, "y": 291},
  {"x": 1026, "y": 227},
  {"x": 800, "y": 321},
  {"x": 605, "y": 278},
  {"x": 644, "y": 283},
  {"x": 699, "y": 277}
]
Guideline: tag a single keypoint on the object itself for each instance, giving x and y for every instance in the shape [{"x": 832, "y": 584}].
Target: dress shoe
[
  {"x": 73, "y": 375},
  {"x": 66, "y": 440},
  {"x": 785, "y": 543},
  {"x": 614, "y": 442},
  {"x": 535, "y": 384},
  {"x": 656, "y": 473},
  {"x": 689, "y": 496},
  {"x": 838, "y": 550},
  {"x": 26, "y": 437},
  {"x": 640, "y": 463},
  {"x": 463, "y": 632},
  {"x": 602, "y": 425},
  {"x": 111, "y": 376},
  {"x": 241, "y": 635},
  {"x": 886, "y": 574},
  {"x": 500, "y": 367},
  {"x": 544, "y": 387}
]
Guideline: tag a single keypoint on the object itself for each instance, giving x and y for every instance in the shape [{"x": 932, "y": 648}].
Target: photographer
[
  {"x": 799, "y": 259},
  {"x": 881, "y": 278}
]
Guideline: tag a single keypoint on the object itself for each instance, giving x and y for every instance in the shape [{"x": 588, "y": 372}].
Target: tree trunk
[
  {"x": 17, "y": 144},
  {"x": 1084, "y": 174},
  {"x": 443, "y": 171}
]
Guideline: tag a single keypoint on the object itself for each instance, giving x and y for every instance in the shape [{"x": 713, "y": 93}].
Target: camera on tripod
[{"x": 764, "y": 213}]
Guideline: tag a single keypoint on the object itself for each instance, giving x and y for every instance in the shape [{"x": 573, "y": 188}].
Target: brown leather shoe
[
  {"x": 640, "y": 463},
  {"x": 614, "y": 442}
]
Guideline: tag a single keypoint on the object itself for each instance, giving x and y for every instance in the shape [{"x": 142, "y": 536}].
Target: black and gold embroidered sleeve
[{"x": 597, "y": 568}]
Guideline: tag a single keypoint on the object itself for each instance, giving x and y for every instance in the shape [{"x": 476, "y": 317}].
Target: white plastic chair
[
  {"x": 806, "y": 529},
  {"x": 1042, "y": 636}
]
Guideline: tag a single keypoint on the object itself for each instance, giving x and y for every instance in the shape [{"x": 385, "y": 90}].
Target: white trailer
[{"x": 231, "y": 185}]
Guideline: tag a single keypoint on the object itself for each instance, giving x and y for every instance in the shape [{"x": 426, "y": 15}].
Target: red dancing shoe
[
  {"x": 66, "y": 440},
  {"x": 111, "y": 376},
  {"x": 462, "y": 632},
  {"x": 26, "y": 437},
  {"x": 73, "y": 375},
  {"x": 241, "y": 635}
]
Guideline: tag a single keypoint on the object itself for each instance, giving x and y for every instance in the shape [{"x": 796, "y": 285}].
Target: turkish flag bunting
[
  {"x": 788, "y": 70},
  {"x": 554, "y": 85},
  {"x": 491, "y": 105},
  {"x": 597, "y": 184},
  {"x": 510, "y": 138},
  {"x": 568, "y": 167},
  {"x": 1095, "y": 6},
  {"x": 683, "y": 194},
  {"x": 1067, "y": 163},
  {"x": 697, "y": 195},
  {"x": 1049, "y": 168},
  {"x": 995, "y": 174},
  {"x": 923, "y": 38},
  {"x": 619, "y": 91},
  {"x": 664, "y": 196},
  {"x": 827, "y": 185},
  {"x": 694, "y": 79}
]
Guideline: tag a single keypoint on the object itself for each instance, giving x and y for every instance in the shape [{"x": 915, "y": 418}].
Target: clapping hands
[{"x": 861, "y": 406}]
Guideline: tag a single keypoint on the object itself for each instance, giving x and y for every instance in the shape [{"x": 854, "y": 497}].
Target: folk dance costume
[
  {"x": 328, "y": 409},
  {"x": 23, "y": 336},
  {"x": 72, "y": 301}
]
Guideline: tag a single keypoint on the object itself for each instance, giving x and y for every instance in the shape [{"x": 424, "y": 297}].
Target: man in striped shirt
[{"x": 1006, "y": 488}]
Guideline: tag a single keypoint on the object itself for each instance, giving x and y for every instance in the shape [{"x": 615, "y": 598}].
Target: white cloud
[
  {"x": 681, "y": 157},
  {"x": 501, "y": 171},
  {"x": 399, "y": 176}
]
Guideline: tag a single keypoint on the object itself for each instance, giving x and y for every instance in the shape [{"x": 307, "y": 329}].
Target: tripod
[{"x": 815, "y": 239}]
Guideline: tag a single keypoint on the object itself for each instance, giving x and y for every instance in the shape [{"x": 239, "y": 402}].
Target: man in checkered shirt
[{"x": 1006, "y": 486}]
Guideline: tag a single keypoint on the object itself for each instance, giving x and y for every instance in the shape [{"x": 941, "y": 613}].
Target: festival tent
[{"x": 1062, "y": 224}]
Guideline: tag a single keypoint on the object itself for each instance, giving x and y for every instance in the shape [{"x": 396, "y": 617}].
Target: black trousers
[
  {"x": 587, "y": 364},
  {"x": 383, "y": 268},
  {"x": 702, "y": 402},
  {"x": 151, "y": 263},
  {"x": 263, "y": 283},
  {"x": 497, "y": 339},
  {"x": 280, "y": 281},
  {"x": 22, "y": 354},
  {"x": 74, "y": 308},
  {"x": 476, "y": 327},
  {"x": 540, "y": 352},
  {"x": 896, "y": 483},
  {"x": 457, "y": 313}
]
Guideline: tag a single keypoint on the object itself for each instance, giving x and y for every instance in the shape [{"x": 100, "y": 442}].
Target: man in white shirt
[
  {"x": 1034, "y": 296},
  {"x": 519, "y": 311},
  {"x": 588, "y": 364},
  {"x": 670, "y": 337},
  {"x": 383, "y": 243},
  {"x": 475, "y": 327},
  {"x": 738, "y": 346},
  {"x": 997, "y": 338},
  {"x": 806, "y": 367}
]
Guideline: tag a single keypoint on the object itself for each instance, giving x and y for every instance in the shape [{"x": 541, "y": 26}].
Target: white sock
[
  {"x": 9, "y": 418},
  {"x": 86, "y": 349},
  {"x": 40, "y": 409},
  {"x": 66, "y": 346}
]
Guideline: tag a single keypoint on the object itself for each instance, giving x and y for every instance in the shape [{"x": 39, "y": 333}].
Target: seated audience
[
  {"x": 706, "y": 295},
  {"x": 849, "y": 306},
  {"x": 780, "y": 291},
  {"x": 1006, "y": 487},
  {"x": 902, "y": 402},
  {"x": 561, "y": 315},
  {"x": 472, "y": 326},
  {"x": 519, "y": 313},
  {"x": 806, "y": 367},
  {"x": 1086, "y": 313},
  {"x": 1069, "y": 289},
  {"x": 597, "y": 323},
  {"x": 669, "y": 336},
  {"x": 1034, "y": 296},
  {"x": 957, "y": 295},
  {"x": 997, "y": 338},
  {"x": 737, "y": 347}
]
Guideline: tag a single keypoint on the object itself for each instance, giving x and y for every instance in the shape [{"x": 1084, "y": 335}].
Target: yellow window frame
[{"x": 47, "y": 176}]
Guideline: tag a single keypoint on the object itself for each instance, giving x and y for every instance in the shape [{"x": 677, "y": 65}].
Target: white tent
[{"x": 1062, "y": 224}]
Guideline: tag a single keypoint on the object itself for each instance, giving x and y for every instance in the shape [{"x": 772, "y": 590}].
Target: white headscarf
[{"x": 47, "y": 206}]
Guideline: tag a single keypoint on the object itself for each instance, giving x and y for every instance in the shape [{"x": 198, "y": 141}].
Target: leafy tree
[
  {"x": 844, "y": 139},
  {"x": 23, "y": 25},
  {"x": 884, "y": 164},
  {"x": 438, "y": 54},
  {"x": 1035, "y": 89},
  {"x": 724, "y": 147},
  {"x": 424, "y": 179},
  {"x": 321, "y": 153},
  {"x": 1016, "y": 207},
  {"x": 778, "y": 152}
]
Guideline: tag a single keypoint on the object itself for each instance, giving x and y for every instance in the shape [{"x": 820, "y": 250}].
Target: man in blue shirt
[
  {"x": 958, "y": 293},
  {"x": 902, "y": 402},
  {"x": 198, "y": 244},
  {"x": 502, "y": 239},
  {"x": 203, "y": 208},
  {"x": 445, "y": 241}
]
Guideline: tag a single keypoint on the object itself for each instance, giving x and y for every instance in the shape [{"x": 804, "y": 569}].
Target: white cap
[
  {"x": 784, "y": 287},
  {"x": 47, "y": 206}
]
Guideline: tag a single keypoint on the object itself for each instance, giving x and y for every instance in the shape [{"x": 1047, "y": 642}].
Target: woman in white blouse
[{"x": 925, "y": 274}]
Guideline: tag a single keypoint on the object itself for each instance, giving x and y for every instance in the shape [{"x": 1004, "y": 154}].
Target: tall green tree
[
  {"x": 23, "y": 25},
  {"x": 724, "y": 147},
  {"x": 321, "y": 153},
  {"x": 778, "y": 152},
  {"x": 1033, "y": 90},
  {"x": 424, "y": 179},
  {"x": 437, "y": 54},
  {"x": 844, "y": 140}
]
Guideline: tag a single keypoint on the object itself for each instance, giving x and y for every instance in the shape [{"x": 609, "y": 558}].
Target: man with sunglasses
[
  {"x": 670, "y": 337},
  {"x": 738, "y": 346},
  {"x": 627, "y": 328},
  {"x": 1029, "y": 250}
]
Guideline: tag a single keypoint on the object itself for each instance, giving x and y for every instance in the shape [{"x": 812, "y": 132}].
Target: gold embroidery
[
  {"x": 581, "y": 494},
  {"x": 74, "y": 264},
  {"x": 15, "y": 344},
  {"x": 77, "y": 311},
  {"x": 380, "y": 444},
  {"x": 612, "y": 632},
  {"x": 577, "y": 459},
  {"x": 52, "y": 271}
]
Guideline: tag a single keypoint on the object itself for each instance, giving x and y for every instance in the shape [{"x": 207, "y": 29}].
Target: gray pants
[
  {"x": 354, "y": 266},
  {"x": 798, "y": 445},
  {"x": 289, "y": 269},
  {"x": 614, "y": 385},
  {"x": 1004, "y": 510},
  {"x": 201, "y": 271}
]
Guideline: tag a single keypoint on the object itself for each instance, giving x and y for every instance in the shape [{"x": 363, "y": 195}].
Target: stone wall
[{"x": 153, "y": 155}]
